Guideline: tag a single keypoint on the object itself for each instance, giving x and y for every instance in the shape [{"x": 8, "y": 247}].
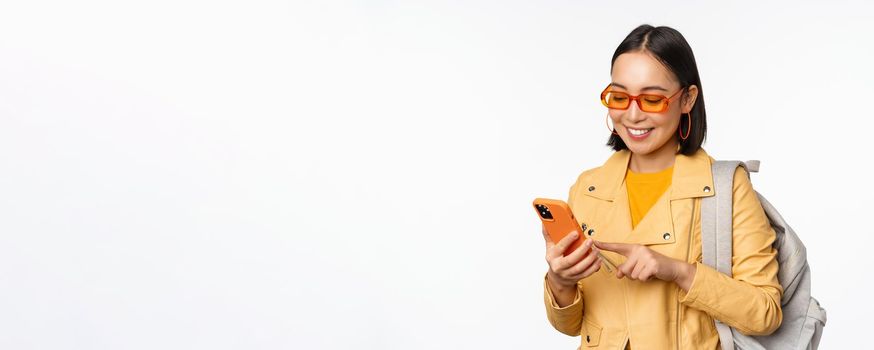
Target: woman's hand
[
  {"x": 565, "y": 271},
  {"x": 644, "y": 263}
]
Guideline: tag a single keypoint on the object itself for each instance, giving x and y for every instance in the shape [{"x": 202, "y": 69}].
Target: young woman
[{"x": 642, "y": 210}]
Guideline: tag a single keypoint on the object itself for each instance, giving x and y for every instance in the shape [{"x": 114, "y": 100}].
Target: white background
[{"x": 326, "y": 175}]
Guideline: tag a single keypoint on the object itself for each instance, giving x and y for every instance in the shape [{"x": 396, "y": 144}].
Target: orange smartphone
[{"x": 559, "y": 220}]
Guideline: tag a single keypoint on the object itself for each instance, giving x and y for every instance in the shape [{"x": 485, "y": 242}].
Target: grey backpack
[{"x": 803, "y": 318}]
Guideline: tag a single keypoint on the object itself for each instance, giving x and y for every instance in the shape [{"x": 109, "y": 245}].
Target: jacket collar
[{"x": 691, "y": 178}]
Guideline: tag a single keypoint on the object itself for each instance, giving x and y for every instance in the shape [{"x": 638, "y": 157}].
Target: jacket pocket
[{"x": 591, "y": 333}]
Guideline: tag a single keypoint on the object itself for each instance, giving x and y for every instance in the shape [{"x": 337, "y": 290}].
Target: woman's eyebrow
[{"x": 654, "y": 87}]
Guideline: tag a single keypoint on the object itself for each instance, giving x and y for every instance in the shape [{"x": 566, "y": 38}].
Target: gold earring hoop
[
  {"x": 688, "y": 129},
  {"x": 613, "y": 129}
]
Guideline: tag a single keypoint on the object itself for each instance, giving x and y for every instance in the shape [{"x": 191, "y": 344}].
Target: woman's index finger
[{"x": 620, "y": 248}]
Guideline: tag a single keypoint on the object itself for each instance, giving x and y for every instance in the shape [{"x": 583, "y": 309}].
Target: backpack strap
[{"x": 716, "y": 227}]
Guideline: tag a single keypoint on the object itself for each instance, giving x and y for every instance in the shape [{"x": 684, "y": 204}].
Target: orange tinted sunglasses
[{"x": 650, "y": 103}]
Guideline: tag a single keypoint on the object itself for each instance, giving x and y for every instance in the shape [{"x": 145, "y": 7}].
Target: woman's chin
[
  {"x": 643, "y": 147},
  {"x": 640, "y": 148}
]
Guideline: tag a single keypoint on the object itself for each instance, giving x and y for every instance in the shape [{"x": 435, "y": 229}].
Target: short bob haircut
[{"x": 669, "y": 47}]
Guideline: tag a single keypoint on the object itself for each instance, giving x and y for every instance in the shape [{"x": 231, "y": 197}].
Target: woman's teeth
[{"x": 638, "y": 132}]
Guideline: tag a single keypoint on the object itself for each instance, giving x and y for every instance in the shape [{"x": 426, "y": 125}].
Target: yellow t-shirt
[{"x": 644, "y": 189}]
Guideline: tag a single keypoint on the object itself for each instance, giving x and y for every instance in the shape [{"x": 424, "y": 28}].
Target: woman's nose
[{"x": 634, "y": 114}]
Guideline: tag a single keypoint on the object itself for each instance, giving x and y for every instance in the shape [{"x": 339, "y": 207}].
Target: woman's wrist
[
  {"x": 685, "y": 275},
  {"x": 563, "y": 295},
  {"x": 556, "y": 285}
]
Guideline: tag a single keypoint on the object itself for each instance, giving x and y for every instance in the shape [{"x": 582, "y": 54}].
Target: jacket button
[
  {"x": 706, "y": 188},
  {"x": 591, "y": 188},
  {"x": 591, "y": 231},
  {"x": 584, "y": 227},
  {"x": 666, "y": 236},
  {"x": 587, "y": 339}
]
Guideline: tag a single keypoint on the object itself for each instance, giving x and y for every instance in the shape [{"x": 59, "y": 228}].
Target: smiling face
[{"x": 648, "y": 133}]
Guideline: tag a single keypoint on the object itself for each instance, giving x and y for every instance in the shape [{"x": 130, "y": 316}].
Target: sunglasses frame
[{"x": 637, "y": 98}]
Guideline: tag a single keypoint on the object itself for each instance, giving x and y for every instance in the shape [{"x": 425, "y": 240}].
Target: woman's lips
[{"x": 638, "y": 137}]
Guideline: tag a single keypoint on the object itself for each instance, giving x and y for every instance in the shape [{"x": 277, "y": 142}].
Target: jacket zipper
[{"x": 695, "y": 203}]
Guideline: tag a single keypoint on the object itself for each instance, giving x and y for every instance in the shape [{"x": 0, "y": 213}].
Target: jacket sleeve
[
  {"x": 568, "y": 319},
  {"x": 749, "y": 301}
]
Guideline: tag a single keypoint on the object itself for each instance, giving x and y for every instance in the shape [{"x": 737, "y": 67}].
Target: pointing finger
[{"x": 621, "y": 248}]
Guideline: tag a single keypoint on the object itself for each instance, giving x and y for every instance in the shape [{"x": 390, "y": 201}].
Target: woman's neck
[{"x": 654, "y": 161}]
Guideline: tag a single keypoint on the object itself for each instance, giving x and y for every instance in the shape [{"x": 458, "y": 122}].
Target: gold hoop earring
[
  {"x": 688, "y": 129},
  {"x": 612, "y": 130}
]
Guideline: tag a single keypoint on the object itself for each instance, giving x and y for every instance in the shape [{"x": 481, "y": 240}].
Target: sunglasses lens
[
  {"x": 614, "y": 99},
  {"x": 652, "y": 103}
]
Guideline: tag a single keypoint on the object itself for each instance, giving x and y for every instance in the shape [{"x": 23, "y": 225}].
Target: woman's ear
[{"x": 690, "y": 96}]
